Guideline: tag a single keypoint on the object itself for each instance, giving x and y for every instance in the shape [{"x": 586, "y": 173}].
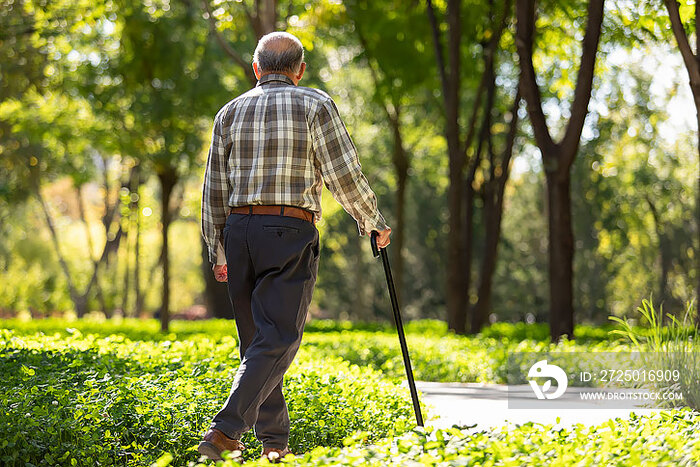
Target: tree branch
[
  {"x": 473, "y": 166},
  {"x": 485, "y": 137},
  {"x": 269, "y": 16},
  {"x": 290, "y": 9},
  {"x": 109, "y": 210},
  {"x": 690, "y": 60},
  {"x": 471, "y": 128},
  {"x": 453, "y": 46},
  {"x": 253, "y": 20},
  {"x": 83, "y": 218},
  {"x": 510, "y": 143},
  {"x": 374, "y": 73},
  {"x": 437, "y": 41},
  {"x": 488, "y": 75},
  {"x": 584, "y": 83},
  {"x": 226, "y": 47},
  {"x": 61, "y": 259},
  {"x": 525, "y": 25}
]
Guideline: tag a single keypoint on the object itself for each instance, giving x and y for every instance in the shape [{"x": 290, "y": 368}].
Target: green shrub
[
  {"x": 149, "y": 329},
  {"x": 134, "y": 329},
  {"x": 447, "y": 358},
  {"x": 540, "y": 332}
]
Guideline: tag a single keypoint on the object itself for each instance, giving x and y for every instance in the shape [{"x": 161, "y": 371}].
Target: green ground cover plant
[
  {"x": 89, "y": 400},
  {"x": 122, "y": 393},
  {"x": 665, "y": 439},
  {"x": 436, "y": 354}
]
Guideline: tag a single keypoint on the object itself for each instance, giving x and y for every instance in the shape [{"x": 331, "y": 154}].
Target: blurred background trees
[{"x": 105, "y": 116}]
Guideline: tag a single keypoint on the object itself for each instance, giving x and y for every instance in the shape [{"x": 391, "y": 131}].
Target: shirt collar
[{"x": 274, "y": 77}]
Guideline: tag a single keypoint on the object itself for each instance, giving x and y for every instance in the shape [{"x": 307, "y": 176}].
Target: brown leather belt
[{"x": 273, "y": 210}]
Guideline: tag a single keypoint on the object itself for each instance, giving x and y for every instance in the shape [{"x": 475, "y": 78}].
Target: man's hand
[
  {"x": 383, "y": 239},
  {"x": 220, "y": 272}
]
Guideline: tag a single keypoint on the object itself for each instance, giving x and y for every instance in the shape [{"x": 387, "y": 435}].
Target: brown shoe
[
  {"x": 275, "y": 455},
  {"x": 215, "y": 442}
]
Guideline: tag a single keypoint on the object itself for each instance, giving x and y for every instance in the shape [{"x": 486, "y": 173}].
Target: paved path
[{"x": 486, "y": 405}]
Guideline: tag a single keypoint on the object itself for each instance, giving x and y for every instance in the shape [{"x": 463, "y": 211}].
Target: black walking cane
[{"x": 376, "y": 251}]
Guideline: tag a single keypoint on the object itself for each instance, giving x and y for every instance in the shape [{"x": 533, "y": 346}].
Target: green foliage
[
  {"x": 436, "y": 354},
  {"x": 83, "y": 399},
  {"x": 666, "y": 439},
  {"x": 121, "y": 392},
  {"x": 61, "y": 130},
  {"x": 634, "y": 219},
  {"x": 540, "y": 332}
]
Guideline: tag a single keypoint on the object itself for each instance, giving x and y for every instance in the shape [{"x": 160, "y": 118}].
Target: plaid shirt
[{"x": 276, "y": 145}]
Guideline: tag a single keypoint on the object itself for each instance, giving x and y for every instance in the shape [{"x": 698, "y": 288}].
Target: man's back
[
  {"x": 271, "y": 156},
  {"x": 277, "y": 144}
]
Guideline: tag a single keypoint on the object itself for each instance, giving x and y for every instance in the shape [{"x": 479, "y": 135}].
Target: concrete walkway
[{"x": 486, "y": 406}]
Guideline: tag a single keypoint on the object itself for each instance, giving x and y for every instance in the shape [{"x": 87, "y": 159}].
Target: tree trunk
[
  {"x": 467, "y": 247},
  {"x": 456, "y": 305},
  {"x": 695, "y": 84},
  {"x": 469, "y": 193},
  {"x": 267, "y": 13},
  {"x": 137, "y": 247},
  {"x": 561, "y": 254},
  {"x": 168, "y": 179},
  {"x": 78, "y": 300},
  {"x": 557, "y": 158},
  {"x": 401, "y": 166},
  {"x": 697, "y": 215},
  {"x": 450, "y": 80},
  {"x": 665, "y": 253},
  {"x": 485, "y": 139},
  {"x": 493, "y": 215},
  {"x": 215, "y": 293},
  {"x": 492, "y": 233},
  {"x": 90, "y": 247},
  {"x": 127, "y": 269}
]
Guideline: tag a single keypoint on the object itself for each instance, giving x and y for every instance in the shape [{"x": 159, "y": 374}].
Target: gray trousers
[{"x": 272, "y": 265}]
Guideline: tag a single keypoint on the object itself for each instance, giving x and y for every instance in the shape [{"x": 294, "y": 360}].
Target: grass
[{"x": 668, "y": 343}]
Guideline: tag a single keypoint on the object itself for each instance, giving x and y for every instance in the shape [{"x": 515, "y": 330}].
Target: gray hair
[{"x": 279, "y": 51}]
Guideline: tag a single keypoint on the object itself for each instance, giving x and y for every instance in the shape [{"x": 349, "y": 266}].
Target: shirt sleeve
[
  {"x": 341, "y": 169},
  {"x": 215, "y": 194}
]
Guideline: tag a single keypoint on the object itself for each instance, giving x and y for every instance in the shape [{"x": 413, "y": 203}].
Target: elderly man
[{"x": 272, "y": 150}]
